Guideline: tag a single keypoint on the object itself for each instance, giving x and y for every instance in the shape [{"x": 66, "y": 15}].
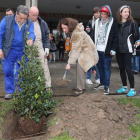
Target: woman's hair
[
  {"x": 70, "y": 22},
  {"x": 119, "y": 17}
]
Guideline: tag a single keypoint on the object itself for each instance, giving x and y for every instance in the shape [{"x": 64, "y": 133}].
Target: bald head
[{"x": 33, "y": 13}]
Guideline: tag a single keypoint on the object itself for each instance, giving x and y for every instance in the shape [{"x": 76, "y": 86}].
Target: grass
[
  {"x": 4, "y": 107},
  {"x": 135, "y": 128},
  {"x": 64, "y": 136},
  {"x": 59, "y": 101},
  {"x": 52, "y": 122},
  {"x": 135, "y": 101}
]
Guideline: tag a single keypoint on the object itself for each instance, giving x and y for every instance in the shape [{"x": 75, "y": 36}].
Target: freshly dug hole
[{"x": 61, "y": 81}]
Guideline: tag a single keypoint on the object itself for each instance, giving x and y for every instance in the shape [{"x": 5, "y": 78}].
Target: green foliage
[
  {"x": 64, "y": 136},
  {"x": 33, "y": 100}
]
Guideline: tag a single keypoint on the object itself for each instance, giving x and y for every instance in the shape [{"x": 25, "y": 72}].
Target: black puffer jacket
[
  {"x": 128, "y": 35},
  {"x": 45, "y": 33}
]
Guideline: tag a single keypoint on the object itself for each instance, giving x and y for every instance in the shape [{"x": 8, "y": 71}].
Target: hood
[
  {"x": 79, "y": 27},
  {"x": 109, "y": 11}
]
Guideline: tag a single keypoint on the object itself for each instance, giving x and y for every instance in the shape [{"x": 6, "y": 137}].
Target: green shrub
[{"x": 32, "y": 101}]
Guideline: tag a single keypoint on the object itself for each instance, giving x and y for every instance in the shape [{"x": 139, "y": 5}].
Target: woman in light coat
[{"x": 83, "y": 50}]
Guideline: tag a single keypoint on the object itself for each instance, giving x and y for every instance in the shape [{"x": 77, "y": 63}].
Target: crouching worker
[{"x": 83, "y": 50}]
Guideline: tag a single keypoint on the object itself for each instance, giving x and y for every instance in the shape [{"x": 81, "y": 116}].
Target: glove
[
  {"x": 47, "y": 51},
  {"x": 113, "y": 52}
]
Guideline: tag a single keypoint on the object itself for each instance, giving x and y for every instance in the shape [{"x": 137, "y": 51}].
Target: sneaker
[
  {"x": 106, "y": 90},
  {"x": 88, "y": 81},
  {"x": 93, "y": 71},
  {"x": 138, "y": 93},
  {"x": 97, "y": 81},
  {"x": 131, "y": 93},
  {"x": 99, "y": 87},
  {"x": 8, "y": 96},
  {"x": 79, "y": 92},
  {"x": 121, "y": 90}
]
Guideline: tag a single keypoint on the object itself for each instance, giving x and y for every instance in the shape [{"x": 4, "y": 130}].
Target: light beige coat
[{"x": 83, "y": 49}]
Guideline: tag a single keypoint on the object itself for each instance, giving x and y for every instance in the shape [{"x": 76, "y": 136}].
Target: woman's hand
[
  {"x": 68, "y": 66},
  {"x": 138, "y": 43}
]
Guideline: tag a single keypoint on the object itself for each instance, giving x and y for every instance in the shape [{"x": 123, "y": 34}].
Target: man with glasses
[{"x": 13, "y": 33}]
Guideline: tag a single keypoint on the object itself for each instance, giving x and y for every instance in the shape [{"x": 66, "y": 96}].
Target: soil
[
  {"x": 90, "y": 116},
  {"x": 61, "y": 81},
  {"x": 29, "y": 126},
  {"x": 94, "y": 117}
]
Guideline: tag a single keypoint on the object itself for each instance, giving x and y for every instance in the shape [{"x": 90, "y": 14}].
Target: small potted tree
[{"x": 33, "y": 100}]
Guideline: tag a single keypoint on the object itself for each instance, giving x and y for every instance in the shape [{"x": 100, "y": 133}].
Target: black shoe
[
  {"x": 99, "y": 87},
  {"x": 135, "y": 72},
  {"x": 106, "y": 90},
  {"x": 79, "y": 92}
]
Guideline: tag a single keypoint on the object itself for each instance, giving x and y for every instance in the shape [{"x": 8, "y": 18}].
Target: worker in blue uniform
[{"x": 13, "y": 32}]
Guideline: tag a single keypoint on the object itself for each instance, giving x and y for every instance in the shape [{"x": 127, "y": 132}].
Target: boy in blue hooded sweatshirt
[{"x": 106, "y": 42}]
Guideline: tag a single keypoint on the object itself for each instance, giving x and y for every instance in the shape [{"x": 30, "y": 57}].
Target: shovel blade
[{"x": 64, "y": 76}]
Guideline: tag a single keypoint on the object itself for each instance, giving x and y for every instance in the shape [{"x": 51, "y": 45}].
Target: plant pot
[{"x": 29, "y": 126}]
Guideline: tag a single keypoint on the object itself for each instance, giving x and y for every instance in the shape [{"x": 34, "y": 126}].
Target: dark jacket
[
  {"x": 112, "y": 39},
  {"x": 9, "y": 34},
  {"x": 52, "y": 43},
  {"x": 61, "y": 44},
  {"x": 128, "y": 34},
  {"x": 90, "y": 28},
  {"x": 45, "y": 33}
]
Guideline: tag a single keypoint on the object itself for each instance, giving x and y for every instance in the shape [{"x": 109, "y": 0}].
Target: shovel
[{"x": 64, "y": 76}]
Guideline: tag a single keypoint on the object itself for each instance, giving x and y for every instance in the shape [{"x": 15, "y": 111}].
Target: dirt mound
[
  {"x": 94, "y": 117},
  {"x": 61, "y": 81}
]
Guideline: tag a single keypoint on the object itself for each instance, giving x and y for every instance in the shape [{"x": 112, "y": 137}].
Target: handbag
[{"x": 53, "y": 47}]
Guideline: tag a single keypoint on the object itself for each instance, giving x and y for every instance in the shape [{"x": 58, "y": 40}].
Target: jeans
[
  {"x": 61, "y": 52},
  {"x": 2, "y": 65},
  {"x": 135, "y": 63},
  {"x": 97, "y": 73},
  {"x": 104, "y": 66},
  {"x": 89, "y": 72},
  {"x": 53, "y": 56}
]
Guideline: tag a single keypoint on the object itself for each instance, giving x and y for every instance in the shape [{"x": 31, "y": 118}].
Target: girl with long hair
[{"x": 128, "y": 35}]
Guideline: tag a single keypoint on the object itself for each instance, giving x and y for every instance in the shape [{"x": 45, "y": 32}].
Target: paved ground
[{"x": 57, "y": 70}]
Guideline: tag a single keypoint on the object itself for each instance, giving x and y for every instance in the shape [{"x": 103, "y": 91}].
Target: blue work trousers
[{"x": 9, "y": 64}]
